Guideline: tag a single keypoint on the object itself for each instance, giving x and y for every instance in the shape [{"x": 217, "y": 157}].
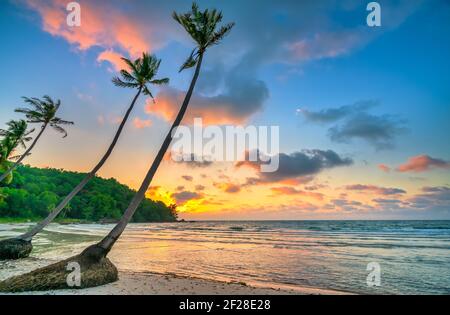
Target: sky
[{"x": 363, "y": 111}]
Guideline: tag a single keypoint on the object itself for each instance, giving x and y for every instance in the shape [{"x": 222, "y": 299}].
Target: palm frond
[
  {"x": 126, "y": 76},
  {"x": 160, "y": 81},
  {"x": 59, "y": 129},
  {"x": 59, "y": 121},
  {"x": 147, "y": 92},
  {"x": 31, "y": 114},
  {"x": 220, "y": 34},
  {"x": 191, "y": 61},
  {"x": 118, "y": 82},
  {"x": 129, "y": 64},
  {"x": 34, "y": 102}
]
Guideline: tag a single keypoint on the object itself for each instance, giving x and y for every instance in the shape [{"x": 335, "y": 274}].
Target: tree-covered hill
[{"x": 34, "y": 192}]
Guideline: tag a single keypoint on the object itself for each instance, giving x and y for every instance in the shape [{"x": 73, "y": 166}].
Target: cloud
[
  {"x": 378, "y": 131},
  {"x": 187, "y": 178},
  {"x": 109, "y": 119},
  {"x": 384, "y": 168},
  {"x": 102, "y": 24},
  {"x": 288, "y": 190},
  {"x": 252, "y": 181},
  {"x": 191, "y": 160},
  {"x": 241, "y": 98},
  {"x": 387, "y": 202},
  {"x": 354, "y": 122},
  {"x": 141, "y": 124},
  {"x": 185, "y": 196},
  {"x": 298, "y": 165},
  {"x": 315, "y": 187},
  {"x": 331, "y": 115},
  {"x": 438, "y": 190},
  {"x": 179, "y": 188},
  {"x": 115, "y": 59},
  {"x": 375, "y": 189},
  {"x": 299, "y": 30},
  {"x": 199, "y": 187},
  {"x": 326, "y": 45},
  {"x": 435, "y": 198},
  {"x": 228, "y": 187},
  {"x": 422, "y": 163},
  {"x": 346, "y": 206}
]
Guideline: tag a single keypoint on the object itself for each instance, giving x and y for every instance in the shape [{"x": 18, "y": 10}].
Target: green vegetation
[{"x": 34, "y": 192}]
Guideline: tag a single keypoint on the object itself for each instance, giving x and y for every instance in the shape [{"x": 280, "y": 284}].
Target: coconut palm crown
[
  {"x": 44, "y": 111},
  {"x": 202, "y": 27},
  {"x": 142, "y": 72},
  {"x": 15, "y": 135}
]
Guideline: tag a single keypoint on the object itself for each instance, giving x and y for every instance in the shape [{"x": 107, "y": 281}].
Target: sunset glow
[{"x": 363, "y": 113}]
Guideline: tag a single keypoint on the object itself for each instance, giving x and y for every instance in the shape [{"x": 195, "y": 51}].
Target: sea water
[{"x": 414, "y": 256}]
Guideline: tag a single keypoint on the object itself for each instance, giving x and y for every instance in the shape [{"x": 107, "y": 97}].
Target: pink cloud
[
  {"x": 113, "y": 58},
  {"x": 384, "y": 168},
  {"x": 101, "y": 25},
  {"x": 141, "y": 123},
  {"x": 422, "y": 163}
]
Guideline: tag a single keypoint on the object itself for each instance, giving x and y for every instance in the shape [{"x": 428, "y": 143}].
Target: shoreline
[{"x": 150, "y": 283}]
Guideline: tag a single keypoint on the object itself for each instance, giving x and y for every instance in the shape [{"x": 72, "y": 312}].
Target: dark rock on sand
[{"x": 15, "y": 248}]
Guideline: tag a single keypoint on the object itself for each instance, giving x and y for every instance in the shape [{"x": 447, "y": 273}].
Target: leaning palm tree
[
  {"x": 41, "y": 112},
  {"x": 16, "y": 135},
  {"x": 95, "y": 267},
  {"x": 203, "y": 28},
  {"x": 143, "y": 72}
]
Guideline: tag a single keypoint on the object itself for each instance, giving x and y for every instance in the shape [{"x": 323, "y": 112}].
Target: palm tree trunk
[
  {"x": 108, "y": 242},
  {"x": 39, "y": 227},
  {"x": 17, "y": 163}
]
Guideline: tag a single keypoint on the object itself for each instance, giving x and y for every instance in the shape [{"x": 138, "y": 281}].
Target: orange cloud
[
  {"x": 141, "y": 124},
  {"x": 287, "y": 190},
  {"x": 101, "y": 25},
  {"x": 167, "y": 107},
  {"x": 422, "y": 163}
]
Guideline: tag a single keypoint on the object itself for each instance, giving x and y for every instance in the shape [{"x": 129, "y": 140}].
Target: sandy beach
[
  {"x": 154, "y": 283},
  {"x": 133, "y": 283}
]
